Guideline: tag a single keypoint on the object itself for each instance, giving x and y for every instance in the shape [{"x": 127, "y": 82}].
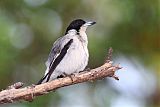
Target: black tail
[{"x": 41, "y": 80}]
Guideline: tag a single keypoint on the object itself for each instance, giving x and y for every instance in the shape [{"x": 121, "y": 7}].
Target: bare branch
[
  {"x": 29, "y": 93},
  {"x": 109, "y": 56}
]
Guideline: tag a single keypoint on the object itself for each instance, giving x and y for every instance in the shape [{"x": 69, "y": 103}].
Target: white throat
[{"x": 83, "y": 35}]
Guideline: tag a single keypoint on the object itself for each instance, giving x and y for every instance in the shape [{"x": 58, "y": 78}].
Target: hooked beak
[{"x": 89, "y": 23}]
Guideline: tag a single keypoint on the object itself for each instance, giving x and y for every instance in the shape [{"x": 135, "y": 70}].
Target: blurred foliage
[{"x": 28, "y": 29}]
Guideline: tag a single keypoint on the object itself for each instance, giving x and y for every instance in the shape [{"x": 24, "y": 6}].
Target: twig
[{"x": 109, "y": 56}]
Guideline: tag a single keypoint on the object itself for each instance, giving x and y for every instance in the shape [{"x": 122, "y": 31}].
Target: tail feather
[
  {"x": 44, "y": 77},
  {"x": 41, "y": 80}
]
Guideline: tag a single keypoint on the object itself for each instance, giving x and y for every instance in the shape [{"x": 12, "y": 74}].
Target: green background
[{"x": 28, "y": 29}]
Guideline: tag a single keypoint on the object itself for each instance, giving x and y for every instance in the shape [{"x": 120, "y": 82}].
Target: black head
[{"x": 75, "y": 24}]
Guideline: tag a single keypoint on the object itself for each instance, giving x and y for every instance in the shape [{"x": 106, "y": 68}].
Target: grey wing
[
  {"x": 56, "y": 49},
  {"x": 54, "y": 52}
]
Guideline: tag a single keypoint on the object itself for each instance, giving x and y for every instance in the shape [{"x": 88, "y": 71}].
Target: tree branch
[{"x": 16, "y": 93}]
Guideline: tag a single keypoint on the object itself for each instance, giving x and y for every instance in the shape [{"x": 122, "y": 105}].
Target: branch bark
[{"x": 16, "y": 93}]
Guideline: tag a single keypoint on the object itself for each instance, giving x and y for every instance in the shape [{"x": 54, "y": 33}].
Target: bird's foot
[
  {"x": 67, "y": 75},
  {"x": 74, "y": 74}
]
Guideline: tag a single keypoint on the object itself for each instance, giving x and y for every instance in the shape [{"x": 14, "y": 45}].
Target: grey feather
[{"x": 56, "y": 49}]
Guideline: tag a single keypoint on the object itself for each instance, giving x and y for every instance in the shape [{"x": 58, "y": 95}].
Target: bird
[{"x": 69, "y": 53}]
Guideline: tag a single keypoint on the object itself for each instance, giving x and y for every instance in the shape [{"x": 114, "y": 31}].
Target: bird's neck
[
  {"x": 72, "y": 32},
  {"x": 83, "y": 37}
]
